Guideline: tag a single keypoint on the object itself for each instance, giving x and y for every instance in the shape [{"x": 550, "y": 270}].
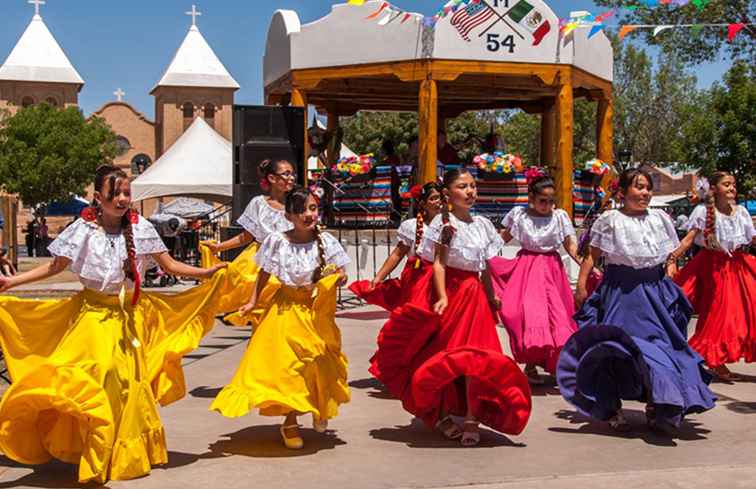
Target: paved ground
[{"x": 375, "y": 444}]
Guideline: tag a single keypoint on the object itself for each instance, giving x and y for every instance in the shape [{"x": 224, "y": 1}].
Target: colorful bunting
[
  {"x": 660, "y": 28},
  {"x": 626, "y": 29},
  {"x": 733, "y": 29}
]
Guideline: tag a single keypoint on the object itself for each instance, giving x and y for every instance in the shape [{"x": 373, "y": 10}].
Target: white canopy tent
[{"x": 199, "y": 164}]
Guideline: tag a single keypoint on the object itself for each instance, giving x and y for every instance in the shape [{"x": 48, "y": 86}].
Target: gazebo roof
[
  {"x": 365, "y": 63},
  {"x": 37, "y": 57}
]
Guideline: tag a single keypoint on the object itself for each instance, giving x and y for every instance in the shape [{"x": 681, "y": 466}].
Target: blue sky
[{"x": 129, "y": 44}]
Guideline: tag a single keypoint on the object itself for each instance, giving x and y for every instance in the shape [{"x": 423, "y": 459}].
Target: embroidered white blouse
[
  {"x": 471, "y": 247},
  {"x": 732, "y": 231},
  {"x": 294, "y": 263},
  {"x": 98, "y": 257},
  {"x": 406, "y": 234},
  {"x": 536, "y": 233},
  {"x": 642, "y": 241},
  {"x": 260, "y": 219}
]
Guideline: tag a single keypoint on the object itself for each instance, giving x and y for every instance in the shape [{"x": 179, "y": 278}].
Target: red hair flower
[
  {"x": 417, "y": 192},
  {"x": 133, "y": 216},
  {"x": 89, "y": 214}
]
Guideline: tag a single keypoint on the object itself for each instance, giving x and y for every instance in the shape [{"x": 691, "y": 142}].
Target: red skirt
[
  {"x": 394, "y": 292},
  {"x": 722, "y": 290},
  {"x": 426, "y": 360}
]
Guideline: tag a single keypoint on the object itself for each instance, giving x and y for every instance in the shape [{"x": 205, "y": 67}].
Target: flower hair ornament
[
  {"x": 417, "y": 192},
  {"x": 533, "y": 172},
  {"x": 89, "y": 214}
]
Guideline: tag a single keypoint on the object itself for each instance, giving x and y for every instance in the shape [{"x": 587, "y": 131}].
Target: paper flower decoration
[
  {"x": 498, "y": 162},
  {"x": 597, "y": 167},
  {"x": 354, "y": 165}
]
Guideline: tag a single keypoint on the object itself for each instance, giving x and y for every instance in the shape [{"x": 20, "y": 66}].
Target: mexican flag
[{"x": 531, "y": 19}]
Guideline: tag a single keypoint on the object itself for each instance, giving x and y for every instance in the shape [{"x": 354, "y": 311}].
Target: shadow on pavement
[
  {"x": 378, "y": 391},
  {"x": 205, "y": 392},
  {"x": 54, "y": 475},
  {"x": 688, "y": 431},
  {"x": 365, "y": 315},
  {"x": 417, "y": 435}
]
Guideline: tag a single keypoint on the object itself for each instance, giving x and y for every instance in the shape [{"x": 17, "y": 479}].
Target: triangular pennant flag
[
  {"x": 701, "y": 4},
  {"x": 406, "y": 17},
  {"x": 595, "y": 30},
  {"x": 625, "y": 30},
  {"x": 387, "y": 18},
  {"x": 375, "y": 14},
  {"x": 733, "y": 29},
  {"x": 660, "y": 28},
  {"x": 651, "y": 3},
  {"x": 695, "y": 30}
]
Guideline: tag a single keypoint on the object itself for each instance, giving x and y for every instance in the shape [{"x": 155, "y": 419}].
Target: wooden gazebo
[{"x": 346, "y": 62}]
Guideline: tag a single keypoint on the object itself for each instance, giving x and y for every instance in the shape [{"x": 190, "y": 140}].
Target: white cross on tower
[
  {"x": 36, "y": 4},
  {"x": 194, "y": 13},
  {"x": 119, "y": 94}
]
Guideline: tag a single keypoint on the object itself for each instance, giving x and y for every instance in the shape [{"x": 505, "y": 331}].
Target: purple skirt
[{"x": 632, "y": 344}]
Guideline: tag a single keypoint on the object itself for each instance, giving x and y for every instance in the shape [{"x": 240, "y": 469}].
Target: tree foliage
[
  {"x": 48, "y": 154},
  {"x": 694, "y": 45}
]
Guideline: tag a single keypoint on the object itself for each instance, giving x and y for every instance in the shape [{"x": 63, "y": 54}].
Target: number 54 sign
[{"x": 521, "y": 19}]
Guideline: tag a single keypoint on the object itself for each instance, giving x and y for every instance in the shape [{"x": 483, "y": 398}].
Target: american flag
[{"x": 468, "y": 18}]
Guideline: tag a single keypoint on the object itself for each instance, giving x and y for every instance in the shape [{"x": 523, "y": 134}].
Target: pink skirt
[{"x": 536, "y": 305}]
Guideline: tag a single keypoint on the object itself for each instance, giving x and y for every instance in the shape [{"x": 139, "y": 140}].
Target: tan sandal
[
  {"x": 452, "y": 430},
  {"x": 293, "y": 442},
  {"x": 470, "y": 438}
]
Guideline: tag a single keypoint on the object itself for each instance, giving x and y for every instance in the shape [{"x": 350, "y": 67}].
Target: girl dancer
[
  {"x": 442, "y": 351},
  {"x": 87, "y": 371},
  {"x": 632, "y": 339},
  {"x": 539, "y": 305},
  {"x": 294, "y": 364},
  {"x": 720, "y": 281},
  {"x": 390, "y": 294},
  {"x": 264, "y": 215}
]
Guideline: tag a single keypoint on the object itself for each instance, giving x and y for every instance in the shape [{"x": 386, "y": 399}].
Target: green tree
[
  {"x": 694, "y": 45},
  {"x": 721, "y": 131},
  {"x": 48, "y": 154}
]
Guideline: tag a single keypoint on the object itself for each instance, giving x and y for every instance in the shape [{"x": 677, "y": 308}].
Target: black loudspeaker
[{"x": 260, "y": 133}]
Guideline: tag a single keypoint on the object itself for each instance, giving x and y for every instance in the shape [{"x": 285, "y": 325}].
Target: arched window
[
  {"x": 27, "y": 102},
  {"x": 209, "y": 114},
  {"x": 52, "y": 101},
  {"x": 188, "y": 110},
  {"x": 140, "y": 163},
  {"x": 123, "y": 145}
]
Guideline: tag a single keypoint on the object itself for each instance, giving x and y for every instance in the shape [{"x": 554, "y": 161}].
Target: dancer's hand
[
  {"x": 580, "y": 296},
  {"x": 343, "y": 279},
  {"x": 247, "y": 308},
  {"x": 440, "y": 306},
  {"x": 6, "y": 283},
  {"x": 209, "y": 272},
  {"x": 212, "y": 245},
  {"x": 373, "y": 285},
  {"x": 671, "y": 269}
]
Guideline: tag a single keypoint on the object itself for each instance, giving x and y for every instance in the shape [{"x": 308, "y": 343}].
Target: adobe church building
[{"x": 195, "y": 84}]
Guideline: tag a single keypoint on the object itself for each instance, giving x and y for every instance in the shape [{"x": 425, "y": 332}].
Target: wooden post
[
  {"x": 604, "y": 130},
  {"x": 428, "y": 137},
  {"x": 548, "y": 123},
  {"x": 564, "y": 143},
  {"x": 9, "y": 210},
  {"x": 299, "y": 99}
]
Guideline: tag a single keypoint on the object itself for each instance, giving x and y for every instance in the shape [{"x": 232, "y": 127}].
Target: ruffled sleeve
[
  {"x": 669, "y": 226},
  {"x": 565, "y": 224},
  {"x": 697, "y": 219},
  {"x": 72, "y": 242},
  {"x": 406, "y": 232},
  {"x": 747, "y": 221},
  {"x": 431, "y": 237},
  {"x": 269, "y": 256},
  {"x": 602, "y": 234},
  {"x": 260, "y": 219},
  {"x": 334, "y": 252},
  {"x": 510, "y": 220},
  {"x": 495, "y": 243},
  {"x": 146, "y": 238}
]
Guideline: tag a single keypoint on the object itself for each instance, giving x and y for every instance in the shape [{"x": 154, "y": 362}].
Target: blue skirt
[{"x": 632, "y": 344}]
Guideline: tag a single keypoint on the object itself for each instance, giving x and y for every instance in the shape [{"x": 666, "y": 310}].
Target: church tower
[
  {"x": 196, "y": 84},
  {"x": 37, "y": 70}
]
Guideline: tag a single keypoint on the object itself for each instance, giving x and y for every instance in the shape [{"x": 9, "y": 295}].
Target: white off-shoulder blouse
[
  {"x": 641, "y": 241},
  {"x": 473, "y": 244},
  {"x": 406, "y": 234},
  {"x": 98, "y": 257},
  {"x": 537, "y": 233},
  {"x": 260, "y": 219},
  {"x": 294, "y": 263},
  {"x": 732, "y": 231}
]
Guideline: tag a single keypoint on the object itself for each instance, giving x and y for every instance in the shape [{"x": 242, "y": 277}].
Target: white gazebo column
[{"x": 428, "y": 131}]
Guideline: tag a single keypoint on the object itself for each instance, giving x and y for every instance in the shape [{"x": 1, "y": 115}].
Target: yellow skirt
[
  {"x": 87, "y": 374},
  {"x": 240, "y": 281},
  {"x": 294, "y": 361}
]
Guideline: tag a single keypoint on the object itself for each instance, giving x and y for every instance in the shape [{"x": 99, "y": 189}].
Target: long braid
[
  {"x": 130, "y": 267},
  {"x": 318, "y": 273},
  {"x": 710, "y": 234},
  {"x": 419, "y": 229}
]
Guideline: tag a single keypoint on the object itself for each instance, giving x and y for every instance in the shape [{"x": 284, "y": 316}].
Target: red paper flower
[
  {"x": 133, "y": 216},
  {"x": 89, "y": 214},
  {"x": 417, "y": 192}
]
